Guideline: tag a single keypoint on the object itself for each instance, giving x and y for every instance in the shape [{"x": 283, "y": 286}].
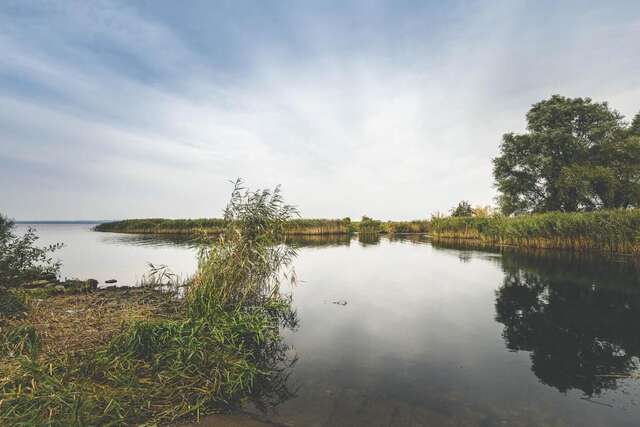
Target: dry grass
[{"x": 69, "y": 324}]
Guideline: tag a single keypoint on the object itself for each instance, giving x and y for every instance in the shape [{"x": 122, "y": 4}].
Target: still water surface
[{"x": 432, "y": 335}]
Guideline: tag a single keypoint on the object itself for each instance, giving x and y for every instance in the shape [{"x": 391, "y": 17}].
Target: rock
[
  {"x": 60, "y": 288},
  {"x": 340, "y": 302}
]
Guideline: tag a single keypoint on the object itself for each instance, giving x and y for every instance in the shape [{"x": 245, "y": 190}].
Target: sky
[{"x": 392, "y": 109}]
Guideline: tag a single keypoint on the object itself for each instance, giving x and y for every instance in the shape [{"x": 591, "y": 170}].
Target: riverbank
[
  {"x": 126, "y": 356},
  {"x": 613, "y": 231}
]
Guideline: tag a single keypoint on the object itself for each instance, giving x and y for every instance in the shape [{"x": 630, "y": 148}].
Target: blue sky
[{"x": 390, "y": 109}]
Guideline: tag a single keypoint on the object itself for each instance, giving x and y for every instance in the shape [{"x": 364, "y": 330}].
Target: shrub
[{"x": 21, "y": 260}]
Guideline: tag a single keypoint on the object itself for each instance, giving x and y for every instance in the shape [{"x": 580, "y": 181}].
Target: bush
[{"x": 20, "y": 260}]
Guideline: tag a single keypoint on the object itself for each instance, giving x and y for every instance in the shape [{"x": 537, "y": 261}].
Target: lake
[{"x": 431, "y": 334}]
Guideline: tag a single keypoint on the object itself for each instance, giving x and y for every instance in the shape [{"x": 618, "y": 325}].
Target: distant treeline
[
  {"x": 296, "y": 227},
  {"x": 615, "y": 230}
]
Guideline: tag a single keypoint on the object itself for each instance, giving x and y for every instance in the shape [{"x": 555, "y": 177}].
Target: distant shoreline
[{"x": 88, "y": 222}]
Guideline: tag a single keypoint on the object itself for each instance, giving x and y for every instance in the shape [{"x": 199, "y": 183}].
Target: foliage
[
  {"x": 635, "y": 126},
  {"x": 463, "y": 209},
  {"x": 608, "y": 230},
  {"x": 577, "y": 155},
  {"x": 20, "y": 260},
  {"x": 483, "y": 211}
]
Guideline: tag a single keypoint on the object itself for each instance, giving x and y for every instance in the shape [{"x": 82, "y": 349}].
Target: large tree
[{"x": 576, "y": 155}]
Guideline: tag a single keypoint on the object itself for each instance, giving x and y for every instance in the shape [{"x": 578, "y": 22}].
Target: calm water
[{"x": 433, "y": 335}]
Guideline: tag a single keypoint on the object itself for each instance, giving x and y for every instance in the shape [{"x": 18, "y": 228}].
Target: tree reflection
[
  {"x": 368, "y": 239},
  {"x": 581, "y": 326}
]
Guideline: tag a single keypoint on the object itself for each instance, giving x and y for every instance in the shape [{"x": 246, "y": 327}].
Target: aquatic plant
[
  {"x": 214, "y": 226},
  {"x": 608, "y": 230},
  {"x": 406, "y": 227},
  {"x": 245, "y": 265},
  {"x": 164, "y": 226}
]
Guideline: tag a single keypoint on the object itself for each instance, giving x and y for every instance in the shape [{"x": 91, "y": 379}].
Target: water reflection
[
  {"x": 369, "y": 239},
  {"x": 576, "y": 313},
  {"x": 579, "y": 321},
  {"x": 159, "y": 240},
  {"x": 300, "y": 241},
  {"x": 276, "y": 358}
]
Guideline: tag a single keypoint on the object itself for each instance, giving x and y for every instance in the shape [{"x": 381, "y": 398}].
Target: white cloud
[{"x": 377, "y": 132}]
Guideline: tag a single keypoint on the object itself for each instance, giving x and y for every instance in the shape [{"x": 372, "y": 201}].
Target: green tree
[
  {"x": 635, "y": 126},
  {"x": 463, "y": 209},
  {"x": 576, "y": 155}
]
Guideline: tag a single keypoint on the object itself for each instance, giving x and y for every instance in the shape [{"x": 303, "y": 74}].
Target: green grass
[{"x": 616, "y": 231}]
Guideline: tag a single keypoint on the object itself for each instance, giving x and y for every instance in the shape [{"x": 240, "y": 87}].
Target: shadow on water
[
  {"x": 154, "y": 240},
  {"x": 311, "y": 241},
  {"x": 181, "y": 240},
  {"x": 368, "y": 239},
  {"x": 576, "y": 314}
]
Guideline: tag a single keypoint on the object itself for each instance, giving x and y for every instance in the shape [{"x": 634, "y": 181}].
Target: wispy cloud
[{"x": 382, "y": 109}]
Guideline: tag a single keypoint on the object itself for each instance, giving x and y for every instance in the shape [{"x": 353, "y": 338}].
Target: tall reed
[{"x": 608, "y": 230}]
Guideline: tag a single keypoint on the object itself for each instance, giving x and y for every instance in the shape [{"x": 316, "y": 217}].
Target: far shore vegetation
[{"x": 293, "y": 227}]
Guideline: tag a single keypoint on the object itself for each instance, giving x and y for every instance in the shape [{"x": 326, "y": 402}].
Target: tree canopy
[
  {"x": 577, "y": 155},
  {"x": 463, "y": 209}
]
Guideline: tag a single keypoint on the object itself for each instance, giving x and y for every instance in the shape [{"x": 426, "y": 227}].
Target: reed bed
[
  {"x": 406, "y": 227},
  {"x": 316, "y": 227},
  {"x": 369, "y": 226},
  {"x": 164, "y": 226},
  {"x": 615, "y": 231},
  {"x": 214, "y": 226}
]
